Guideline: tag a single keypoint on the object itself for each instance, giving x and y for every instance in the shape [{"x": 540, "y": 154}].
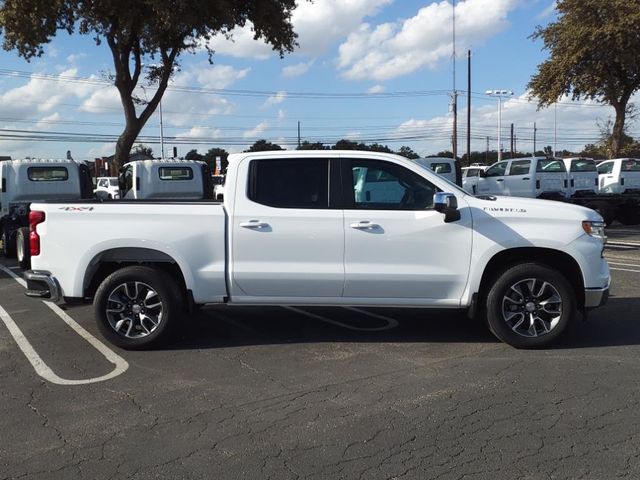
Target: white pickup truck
[{"x": 323, "y": 228}]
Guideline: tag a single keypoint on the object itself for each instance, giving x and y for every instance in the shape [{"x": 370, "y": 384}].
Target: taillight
[{"x": 34, "y": 239}]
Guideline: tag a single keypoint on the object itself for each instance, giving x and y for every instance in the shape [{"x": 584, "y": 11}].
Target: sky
[{"x": 366, "y": 70}]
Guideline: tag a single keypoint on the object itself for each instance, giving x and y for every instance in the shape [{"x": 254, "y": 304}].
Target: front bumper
[
  {"x": 42, "y": 285},
  {"x": 596, "y": 297}
]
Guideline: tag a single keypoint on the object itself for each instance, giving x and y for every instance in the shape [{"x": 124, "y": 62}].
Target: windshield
[
  {"x": 583, "y": 165},
  {"x": 551, "y": 165},
  {"x": 113, "y": 182}
]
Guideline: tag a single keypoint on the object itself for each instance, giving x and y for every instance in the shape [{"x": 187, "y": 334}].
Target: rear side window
[
  {"x": 631, "y": 165},
  {"x": 550, "y": 165},
  {"x": 583, "y": 165},
  {"x": 290, "y": 183},
  {"x": 520, "y": 167},
  {"x": 441, "y": 167},
  {"x": 606, "y": 167},
  {"x": 47, "y": 174},
  {"x": 175, "y": 173}
]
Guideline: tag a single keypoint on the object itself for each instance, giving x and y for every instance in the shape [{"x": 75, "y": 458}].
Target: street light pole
[
  {"x": 499, "y": 94},
  {"x": 161, "y": 132}
]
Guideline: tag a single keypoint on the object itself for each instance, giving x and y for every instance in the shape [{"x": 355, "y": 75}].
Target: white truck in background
[
  {"x": 165, "y": 180},
  {"x": 620, "y": 175},
  {"x": 33, "y": 180},
  {"x": 308, "y": 228}
]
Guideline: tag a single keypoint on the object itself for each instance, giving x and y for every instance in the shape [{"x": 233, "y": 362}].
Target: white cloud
[
  {"x": 297, "y": 69},
  {"x": 376, "y": 89},
  {"x": 275, "y": 99},
  {"x": 220, "y": 76},
  {"x": 75, "y": 57},
  {"x": 104, "y": 150},
  {"x": 395, "y": 49},
  {"x": 281, "y": 114},
  {"x": 319, "y": 25},
  {"x": 258, "y": 130},
  {"x": 547, "y": 12},
  {"x": 210, "y": 133},
  {"x": 104, "y": 100}
]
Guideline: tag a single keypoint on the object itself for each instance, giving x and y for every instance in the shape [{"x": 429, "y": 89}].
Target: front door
[
  {"x": 492, "y": 181},
  {"x": 287, "y": 236},
  {"x": 396, "y": 246}
]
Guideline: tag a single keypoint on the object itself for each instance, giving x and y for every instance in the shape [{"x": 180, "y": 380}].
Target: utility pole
[
  {"x": 486, "y": 157},
  {"x": 534, "y": 138},
  {"x": 298, "y": 133},
  {"x": 454, "y": 99},
  {"x": 515, "y": 143},
  {"x": 161, "y": 133},
  {"x": 468, "y": 108},
  {"x": 512, "y": 140},
  {"x": 555, "y": 127}
]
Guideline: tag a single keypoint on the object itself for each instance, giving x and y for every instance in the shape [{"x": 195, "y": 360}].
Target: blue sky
[{"x": 372, "y": 49}]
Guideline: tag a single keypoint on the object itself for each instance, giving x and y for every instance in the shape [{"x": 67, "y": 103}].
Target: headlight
[{"x": 594, "y": 229}]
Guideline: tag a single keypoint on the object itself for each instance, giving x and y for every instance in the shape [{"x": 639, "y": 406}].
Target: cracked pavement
[{"x": 273, "y": 394}]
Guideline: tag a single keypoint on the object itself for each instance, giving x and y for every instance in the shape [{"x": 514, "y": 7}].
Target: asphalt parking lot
[{"x": 322, "y": 393}]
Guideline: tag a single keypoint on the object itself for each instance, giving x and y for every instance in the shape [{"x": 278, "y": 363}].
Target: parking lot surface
[{"x": 290, "y": 393}]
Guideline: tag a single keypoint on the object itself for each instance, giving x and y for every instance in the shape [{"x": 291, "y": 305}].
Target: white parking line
[
  {"x": 623, "y": 244},
  {"x": 391, "y": 323},
  {"x": 39, "y": 365},
  {"x": 624, "y": 264},
  {"x": 624, "y": 270}
]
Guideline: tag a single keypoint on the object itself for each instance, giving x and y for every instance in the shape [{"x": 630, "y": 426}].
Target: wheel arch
[
  {"x": 556, "y": 259},
  {"x": 108, "y": 261}
]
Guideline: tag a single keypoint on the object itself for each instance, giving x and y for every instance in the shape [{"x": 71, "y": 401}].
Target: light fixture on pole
[{"x": 500, "y": 94}]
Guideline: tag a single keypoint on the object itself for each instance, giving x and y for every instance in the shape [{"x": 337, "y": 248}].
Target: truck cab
[
  {"x": 532, "y": 177},
  {"x": 620, "y": 175},
  {"x": 165, "y": 179}
]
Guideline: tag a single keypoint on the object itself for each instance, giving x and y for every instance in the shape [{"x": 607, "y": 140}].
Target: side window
[
  {"x": 103, "y": 183},
  {"x": 441, "y": 167},
  {"x": 606, "y": 167},
  {"x": 550, "y": 165},
  {"x": 380, "y": 185},
  {"x": 128, "y": 180},
  {"x": 520, "y": 167},
  {"x": 583, "y": 165},
  {"x": 290, "y": 183},
  {"x": 175, "y": 173},
  {"x": 631, "y": 165},
  {"x": 497, "y": 170}
]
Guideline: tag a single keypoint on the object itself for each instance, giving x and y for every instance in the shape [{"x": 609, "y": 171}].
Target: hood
[{"x": 532, "y": 208}]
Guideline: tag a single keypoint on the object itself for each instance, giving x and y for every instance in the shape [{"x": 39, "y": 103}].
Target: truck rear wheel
[
  {"x": 530, "y": 305},
  {"x": 138, "y": 307},
  {"x": 8, "y": 244},
  {"x": 23, "y": 252}
]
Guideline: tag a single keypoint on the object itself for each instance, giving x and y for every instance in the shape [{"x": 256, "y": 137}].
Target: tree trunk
[
  {"x": 124, "y": 144},
  {"x": 618, "y": 130}
]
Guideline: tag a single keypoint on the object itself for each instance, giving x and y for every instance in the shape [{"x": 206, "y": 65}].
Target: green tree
[
  {"x": 594, "y": 53},
  {"x": 193, "y": 155},
  {"x": 263, "y": 146},
  {"x": 306, "y": 145},
  {"x": 139, "y": 31},
  {"x": 212, "y": 154},
  {"x": 143, "y": 149},
  {"x": 348, "y": 145},
  {"x": 408, "y": 152}
]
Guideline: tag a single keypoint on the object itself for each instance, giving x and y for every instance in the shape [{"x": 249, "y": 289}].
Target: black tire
[
  {"x": 116, "y": 290},
  {"x": 505, "y": 308},
  {"x": 605, "y": 212},
  {"x": 8, "y": 244},
  {"x": 629, "y": 216},
  {"x": 23, "y": 250}
]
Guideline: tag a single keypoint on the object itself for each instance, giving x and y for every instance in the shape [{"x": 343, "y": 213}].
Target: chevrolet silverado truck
[{"x": 339, "y": 228}]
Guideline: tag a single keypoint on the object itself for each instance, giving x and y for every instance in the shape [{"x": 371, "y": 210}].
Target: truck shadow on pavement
[{"x": 616, "y": 324}]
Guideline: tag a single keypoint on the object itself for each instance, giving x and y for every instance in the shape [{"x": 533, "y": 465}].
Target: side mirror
[{"x": 447, "y": 204}]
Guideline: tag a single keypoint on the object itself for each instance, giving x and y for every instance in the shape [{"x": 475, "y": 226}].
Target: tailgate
[{"x": 551, "y": 182}]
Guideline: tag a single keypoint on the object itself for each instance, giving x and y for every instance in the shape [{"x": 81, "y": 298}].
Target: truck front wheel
[
  {"x": 530, "y": 305},
  {"x": 23, "y": 252},
  {"x": 138, "y": 307}
]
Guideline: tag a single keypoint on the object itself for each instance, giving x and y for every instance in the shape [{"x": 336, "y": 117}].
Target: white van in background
[
  {"x": 107, "y": 188},
  {"x": 582, "y": 175},
  {"x": 165, "y": 179},
  {"x": 533, "y": 177},
  {"x": 443, "y": 166},
  {"x": 620, "y": 175}
]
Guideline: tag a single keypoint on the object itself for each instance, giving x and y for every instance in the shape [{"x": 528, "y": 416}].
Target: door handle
[
  {"x": 364, "y": 225},
  {"x": 526, "y": 178},
  {"x": 254, "y": 224},
  {"x": 500, "y": 180}
]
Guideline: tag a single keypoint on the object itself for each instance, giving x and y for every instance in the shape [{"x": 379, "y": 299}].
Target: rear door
[
  {"x": 551, "y": 177},
  {"x": 492, "y": 182},
  {"x": 606, "y": 177},
  {"x": 583, "y": 176},
  {"x": 630, "y": 175},
  {"x": 287, "y": 239},
  {"x": 397, "y": 247},
  {"x": 518, "y": 182}
]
